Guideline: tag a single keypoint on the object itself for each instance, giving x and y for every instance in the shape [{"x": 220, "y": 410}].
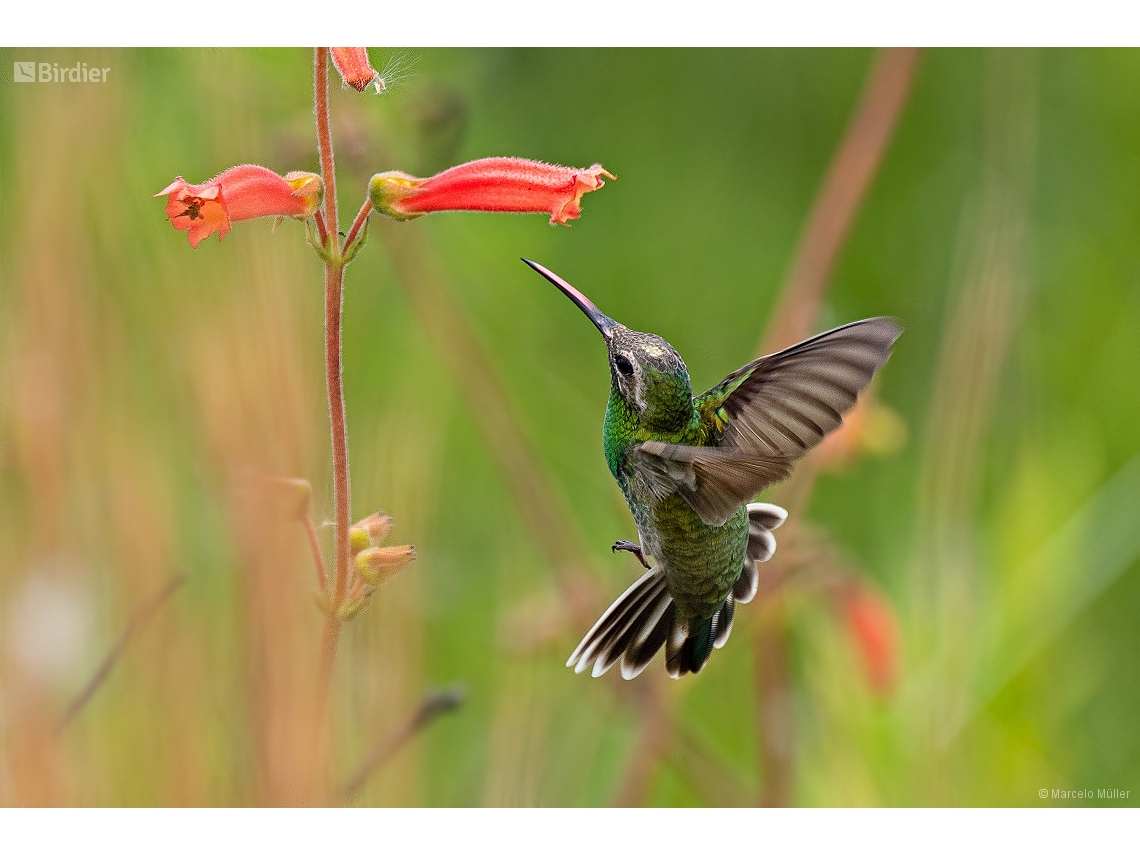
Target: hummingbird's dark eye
[{"x": 624, "y": 366}]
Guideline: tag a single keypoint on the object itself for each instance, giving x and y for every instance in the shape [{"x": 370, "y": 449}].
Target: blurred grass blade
[{"x": 1070, "y": 570}]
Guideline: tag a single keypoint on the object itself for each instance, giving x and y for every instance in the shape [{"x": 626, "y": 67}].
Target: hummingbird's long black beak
[{"x": 603, "y": 322}]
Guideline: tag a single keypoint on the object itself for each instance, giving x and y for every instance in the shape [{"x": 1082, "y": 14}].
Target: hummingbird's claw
[{"x": 630, "y": 546}]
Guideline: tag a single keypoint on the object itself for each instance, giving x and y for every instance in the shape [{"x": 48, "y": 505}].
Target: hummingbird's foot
[{"x": 630, "y": 546}]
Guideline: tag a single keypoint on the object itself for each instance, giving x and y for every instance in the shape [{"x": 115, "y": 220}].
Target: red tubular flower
[
  {"x": 355, "y": 69},
  {"x": 508, "y": 184},
  {"x": 871, "y": 621},
  {"x": 239, "y": 193}
]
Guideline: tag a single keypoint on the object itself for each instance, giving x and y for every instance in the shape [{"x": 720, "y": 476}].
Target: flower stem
[
  {"x": 358, "y": 223},
  {"x": 318, "y": 559},
  {"x": 334, "y": 304},
  {"x": 322, "y": 232}
]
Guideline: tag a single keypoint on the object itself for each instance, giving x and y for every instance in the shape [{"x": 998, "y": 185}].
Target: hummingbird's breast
[{"x": 700, "y": 562}]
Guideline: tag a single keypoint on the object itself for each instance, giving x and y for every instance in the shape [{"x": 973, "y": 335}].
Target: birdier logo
[{"x": 50, "y": 72}]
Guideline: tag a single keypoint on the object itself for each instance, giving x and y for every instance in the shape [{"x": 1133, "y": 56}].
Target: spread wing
[{"x": 767, "y": 415}]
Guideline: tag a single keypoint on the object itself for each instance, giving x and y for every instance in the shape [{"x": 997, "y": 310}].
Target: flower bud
[
  {"x": 370, "y": 531},
  {"x": 358, "y": 539},
  {"x": 355, "y": 69},
  {"x": 380, "y": 563},
  {"x": 352, "y": 608}
]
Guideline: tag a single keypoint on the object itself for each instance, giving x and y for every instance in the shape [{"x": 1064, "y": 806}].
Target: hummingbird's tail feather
[
  {"x": 762, "y": 519},
  {"x": 631, "y": 620},
  {"x": 748, "y": 583},
  {"x": 635, "y": 630},
  {"x": 644, "y": 618},
  {"x": 645, "y": 646},
  {"x": 724, "y": 622},
  {"x": 687, "y": 651}
]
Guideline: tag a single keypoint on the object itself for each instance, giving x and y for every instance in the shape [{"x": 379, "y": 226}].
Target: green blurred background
[{"x": 146, "y": 387}]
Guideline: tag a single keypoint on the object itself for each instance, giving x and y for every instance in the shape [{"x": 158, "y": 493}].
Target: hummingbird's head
[{"x": 645, "y": 371}]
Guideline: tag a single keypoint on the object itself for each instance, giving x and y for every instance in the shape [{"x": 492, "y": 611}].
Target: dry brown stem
[
  {"x": 433, "y": 705},
  {"x": 837, "y": 202},
  {"x": 135, "y": 622}
]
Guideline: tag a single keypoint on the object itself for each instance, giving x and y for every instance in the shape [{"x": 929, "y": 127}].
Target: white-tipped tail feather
[
  {"x": 627, "y": 625},
  {"x": 762, "y": 519},
  {"x": 641, "y": 620}
]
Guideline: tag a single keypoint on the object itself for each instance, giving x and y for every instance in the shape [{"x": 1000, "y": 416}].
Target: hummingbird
[{"x": 689, "y": 468}]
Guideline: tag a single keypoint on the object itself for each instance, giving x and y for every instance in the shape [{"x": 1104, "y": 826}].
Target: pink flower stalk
[
  {"x": 239, "y": 193},
  {"x": 871, "y": 622},
  {"x": 355, "y": 69},
  {"x": 505, "y": 184}
]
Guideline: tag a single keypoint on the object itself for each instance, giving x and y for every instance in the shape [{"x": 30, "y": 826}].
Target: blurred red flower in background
[{"x": 871, "y": 621}]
